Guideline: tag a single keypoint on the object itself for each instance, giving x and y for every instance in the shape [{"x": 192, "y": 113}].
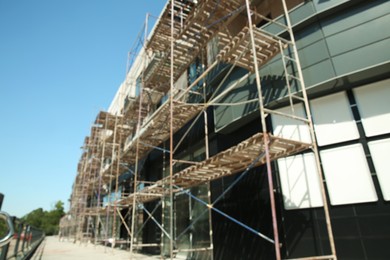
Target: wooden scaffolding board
[
  {"x": 198, "y": 24},
  {"x": 106, "y": 120},
  {"x": 237, "y": 51},
  {"x": 197, "y": 20},
  {"x": 237, "y": 159},
  {"x": 156, "y": 130},
  {"x": 149, "y": 193},
  {"x": 149, "y": 97},
  {"x": 109, "y": 124},
  {"x": 97, "y": 211},
  {"x": 231, "y": 161},
  {"x": 195, "y": 24}
]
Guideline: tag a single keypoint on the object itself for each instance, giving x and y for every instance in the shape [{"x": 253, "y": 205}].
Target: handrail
[
  {"x": 8, "y": 237},
  {"x": 21, "y": 240}
]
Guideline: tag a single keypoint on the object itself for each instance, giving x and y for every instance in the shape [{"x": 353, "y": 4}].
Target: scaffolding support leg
[{"x": 264, "y": 128}]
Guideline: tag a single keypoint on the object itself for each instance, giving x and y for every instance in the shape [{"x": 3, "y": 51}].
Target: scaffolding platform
[
  {"x": 231, "y": 161},
  {"x": 106, "y": 120},
  {"x": 197, "y": 25},
  {"x": 238, "y": 50},
  {"x": 156, "y": 130},
  {"x": 188, "y": 34}
]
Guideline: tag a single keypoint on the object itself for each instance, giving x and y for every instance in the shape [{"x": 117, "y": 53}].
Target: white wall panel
[
  {"x": 290, "y": 128},
  {"x": 347, "y": 175},
  {"x": 300, "y": 182},
  {"x": 380, "y": 151},
  {"x": 333, "y": 119},
  {"x": 374, "y": 107}
]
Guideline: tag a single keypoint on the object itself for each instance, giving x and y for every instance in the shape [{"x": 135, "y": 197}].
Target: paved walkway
[{"x": 53, "y": 249}]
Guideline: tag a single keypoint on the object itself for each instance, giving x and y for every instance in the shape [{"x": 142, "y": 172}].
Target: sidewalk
[{"x": 53, "y": 249}]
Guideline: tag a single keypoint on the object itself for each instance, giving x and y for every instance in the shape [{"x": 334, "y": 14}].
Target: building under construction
[{"x": 245, "y": 129}]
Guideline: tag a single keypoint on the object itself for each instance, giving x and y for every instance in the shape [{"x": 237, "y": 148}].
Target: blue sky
[{"x": 61, "y": 61}]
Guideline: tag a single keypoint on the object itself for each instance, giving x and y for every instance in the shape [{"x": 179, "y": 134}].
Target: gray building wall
[
  {"x": 343, "y": 48},
  {"x": 340, "y": 44}
]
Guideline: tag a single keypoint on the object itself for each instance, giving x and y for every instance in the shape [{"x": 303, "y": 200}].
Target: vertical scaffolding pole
[
  {"x": 87, "y": 215},
  {"x": 79, "y": 199},
  {"x": 110, "y": 185},
  {"x": 146, "y": 29},
  {"x": 134, "y": 201},
  {"x": 108, "y": 199},
  {"x": 264, "y": 129},
  {"x": 82, "y": 198},
  {"x": 137, "y": 158},
  {"x": 100, "y": 179},
  {"x": 163, "y": 204},
  {"x": 134, "y": 206},
  {"x": 116, "y": 144},
  {"x": 93, "y": 197},
  {"x": 312, "y": 134},
  {"x": 171, "y": 135},
  {"x": 97, "y": 217},
  {"x": 207, "y": 152}
]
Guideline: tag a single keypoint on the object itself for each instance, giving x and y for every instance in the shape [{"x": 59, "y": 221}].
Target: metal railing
[{"x": 18, "y": 240}]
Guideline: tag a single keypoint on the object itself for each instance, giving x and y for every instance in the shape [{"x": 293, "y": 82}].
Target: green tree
[
  {"x": 35, "y": 218},
  {"x": 3, "y": 227},
  {"x": 48, "y": 221}
]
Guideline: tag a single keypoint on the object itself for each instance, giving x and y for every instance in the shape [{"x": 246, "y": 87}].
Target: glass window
[
  {"x": 212, "y": 50},
  {"x": 290, "y": 128},
  {"x": 300, "y": 182},
  {"x": 380, "y": 151},
  {"x": 347, "y": 175},
  {"x": 333, "y": 119},
  {"x": 374, "y": 107}
]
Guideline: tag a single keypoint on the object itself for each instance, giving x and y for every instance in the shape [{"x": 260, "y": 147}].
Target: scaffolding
[{"x": 163, "y": 106}]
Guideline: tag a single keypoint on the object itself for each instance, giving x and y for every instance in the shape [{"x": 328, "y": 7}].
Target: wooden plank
[
  {"x": 196, "y": 32},
  {"x": 234, "y": 52},
  {"x": 228, "y": 162}
]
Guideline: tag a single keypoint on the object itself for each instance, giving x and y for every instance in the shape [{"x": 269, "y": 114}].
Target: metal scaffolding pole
[
  {"x": 135, "y": 184},
  {"x": 266, "y": 142},
  {"x": 116, "y": 172},
  {"x": 108, "y": 209},
  {"x": 312, "y": 134},
  {"x": 171, "y": 132},
  {"x": 137, "y": 151},
  {"x": 207, "y": 152},
  {"x": 181, "y": 46},
  {"x": 100, "y": 180}
]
